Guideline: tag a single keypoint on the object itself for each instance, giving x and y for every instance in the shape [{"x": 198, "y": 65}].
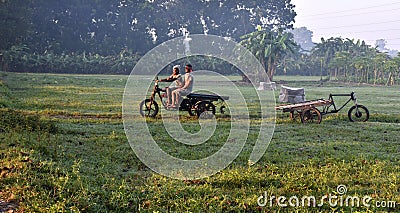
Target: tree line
[
  {"x": 103, "y": 36},
  {"x": 100, "y": 36},
  {"x": 346, "y": 60},
  {"x": 106, "y": 27}
]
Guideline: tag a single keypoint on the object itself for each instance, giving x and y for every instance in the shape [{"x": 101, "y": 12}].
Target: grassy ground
[{"x": 63, "y": 148}]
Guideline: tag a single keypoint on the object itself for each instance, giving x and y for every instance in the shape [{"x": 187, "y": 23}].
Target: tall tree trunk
[
  {"x": 336, "y": 73},
  {"x": 393, "y": 80},
  {"x": 269, "y": 72},
  {"x": 374, "y": 76},
  {"x": 261, "y": 75},
  {"x": 1, "y": 62},
  {"x": 356, "y": 76},
  {"x": 273, "y": 69},
  {"x": 389, "y": 79}
]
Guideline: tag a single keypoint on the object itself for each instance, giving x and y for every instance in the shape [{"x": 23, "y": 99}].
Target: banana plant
[{"x": 269, "y": 47}]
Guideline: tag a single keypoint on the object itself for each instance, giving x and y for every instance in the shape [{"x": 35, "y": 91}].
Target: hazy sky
[{"x": 360, "y": 19}]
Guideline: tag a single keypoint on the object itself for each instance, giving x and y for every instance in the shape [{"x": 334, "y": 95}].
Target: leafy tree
[
  {"x": 328, "y": 48},
  {"x": 107, "y": 27},
  {"x": 380, "y": 44},
  {"x": 379, "y": 61},
  {"x": 223, "y": 17},
  {"x": 303, "y": 37},
  {"x": 15, "y": 23},
  {"x": 269, "y": 47}
]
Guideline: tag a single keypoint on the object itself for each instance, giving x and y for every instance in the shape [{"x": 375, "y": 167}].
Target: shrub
[{"x": 19, "y": 59}]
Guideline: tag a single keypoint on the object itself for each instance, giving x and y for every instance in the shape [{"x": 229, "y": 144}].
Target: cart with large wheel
[
  {"x": 196, "y": 104},
  {"x": 308, "y": 111}
]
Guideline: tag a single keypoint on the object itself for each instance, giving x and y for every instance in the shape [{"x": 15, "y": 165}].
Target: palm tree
[
  {"x": 379, "y": 61},
  {"x": 397, "y": 71},
  {"x": 328, "y": 48},
  {"x": 391, "y": 68},
  {"x": 360, "y": 64},
  {"x": 340, "y": 62},
  {"x": 269, "y": 47}
]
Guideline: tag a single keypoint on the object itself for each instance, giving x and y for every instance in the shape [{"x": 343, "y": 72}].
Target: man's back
[{"x": 189, "y": 81}]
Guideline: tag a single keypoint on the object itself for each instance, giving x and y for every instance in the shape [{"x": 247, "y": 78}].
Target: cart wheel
[
  {"x": 205, "y": 109},
  {"x": 222, "y": 109},
  {"x": 358, "y": 113},
  {"x": 294, "y": 115},
  {"x": 148, "y": 109},
  {"x": 187, "y": 106},
  {"x": 312, "y": 115},
  {"x": 192, "y": 111}
]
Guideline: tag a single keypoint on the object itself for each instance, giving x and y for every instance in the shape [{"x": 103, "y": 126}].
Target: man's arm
[{"x": 170, "y": 78}]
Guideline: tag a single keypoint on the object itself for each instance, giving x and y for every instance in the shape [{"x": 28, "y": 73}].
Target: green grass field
[{"x": 63, "y": 149}]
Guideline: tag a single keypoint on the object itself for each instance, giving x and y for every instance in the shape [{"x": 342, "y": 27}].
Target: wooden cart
[{"x": 309, "y": 113}]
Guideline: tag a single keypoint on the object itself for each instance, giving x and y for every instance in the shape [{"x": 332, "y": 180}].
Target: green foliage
[
  {"x": 18, "y": 59},
  {"x": 91, "y": 37},
  {"x": 345, "y": 60},
  {"x": 15, "y": 22},
  {"x": 355, "y": 61},
  {"x": 201, "y": 62},
  {"x": 105, "y": 27},
  {"x": 270, "y": 47}
]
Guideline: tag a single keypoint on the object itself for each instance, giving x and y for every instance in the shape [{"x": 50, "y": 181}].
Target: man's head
[
  {"x": 188, "y": 68},
  {"x": 175, "y": 69}
]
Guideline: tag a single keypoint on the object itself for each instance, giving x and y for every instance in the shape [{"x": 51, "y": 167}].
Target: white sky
[{"x": 366, "y": 20}]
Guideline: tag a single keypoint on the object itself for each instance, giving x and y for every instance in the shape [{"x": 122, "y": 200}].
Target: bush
[{"x": 19, "y": 59}]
